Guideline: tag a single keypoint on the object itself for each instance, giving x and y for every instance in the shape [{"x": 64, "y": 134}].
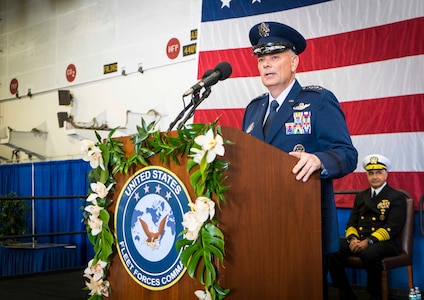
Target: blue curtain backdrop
[
  {"x": 53, "y": 178},
  {"x": 15, "y": 178}
]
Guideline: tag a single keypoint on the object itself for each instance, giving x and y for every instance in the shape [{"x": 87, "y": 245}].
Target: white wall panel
[{"x": 41, "y": 38}]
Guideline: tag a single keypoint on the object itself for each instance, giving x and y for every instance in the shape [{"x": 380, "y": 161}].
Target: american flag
[{"x": 368, "y": 53}]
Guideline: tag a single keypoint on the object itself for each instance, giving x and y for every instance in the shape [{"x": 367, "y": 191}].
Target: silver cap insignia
[{"x": 264, "y": 30}]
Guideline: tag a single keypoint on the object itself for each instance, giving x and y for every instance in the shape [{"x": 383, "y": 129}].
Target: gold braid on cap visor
[
  {"x": 377, "y": 166},
  {"x": 271, "y": 47}
]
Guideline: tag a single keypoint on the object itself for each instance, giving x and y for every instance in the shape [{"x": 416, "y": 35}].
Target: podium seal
[{"x": 148, "y": 219}]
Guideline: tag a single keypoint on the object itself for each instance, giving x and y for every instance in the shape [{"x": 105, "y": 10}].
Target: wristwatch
[{"x": 370, "y": 241}]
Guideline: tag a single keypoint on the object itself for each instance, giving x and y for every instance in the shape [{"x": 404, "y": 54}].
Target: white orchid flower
[
  {"x": 97, "y": 270},
  {"x": 94, "y": 210},
  {"x": 99, "y": 191},
  {"x": 204, "y": 208},
  {"x": 95, "y": 224},
  {"x": 97, "y": 287},
  {"x": 212, "y": 145},
  {"x": 203, "y": 295},
  {"x": 193, "y": 225},
  {"x": 87, "y": 145},
  {"x": 92, "y": 199},
  {"x": 190, "y": 220},
  {"x": 198, "y": 154},
  {"x": 192, "y": 235},
  {"x": 93, "y": 154},
  {"x": 96, "y": 158},
  {"x": 104, "y": 288}
]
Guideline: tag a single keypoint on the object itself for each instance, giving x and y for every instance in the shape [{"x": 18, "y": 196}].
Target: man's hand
[
  {"x": 308, "y": 163},
  {"x": 356, "y": 246}
]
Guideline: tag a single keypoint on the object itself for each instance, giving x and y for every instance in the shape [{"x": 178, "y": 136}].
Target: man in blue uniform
[
  {"x": 373, "y": 230},
  {"x": 307, "y": 122}
]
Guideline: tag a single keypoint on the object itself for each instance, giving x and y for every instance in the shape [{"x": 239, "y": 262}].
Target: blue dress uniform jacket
[
  {"x": 310, "y": 118},
  {"x": 380, "y": 218}
]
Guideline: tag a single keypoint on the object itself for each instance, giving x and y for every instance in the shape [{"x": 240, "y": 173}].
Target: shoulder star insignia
[{"x": 312, "y": 87}]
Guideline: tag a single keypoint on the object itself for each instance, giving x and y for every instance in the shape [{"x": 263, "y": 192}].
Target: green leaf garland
[{"x": 206, "y": 178}]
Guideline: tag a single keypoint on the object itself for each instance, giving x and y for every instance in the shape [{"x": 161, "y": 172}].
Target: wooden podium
[{"x": 272, "y": 228}]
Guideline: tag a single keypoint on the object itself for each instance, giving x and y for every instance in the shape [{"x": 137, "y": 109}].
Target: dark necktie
[
  {"x": 271, "y": 115},
  {"x": 373, "y": 194}
]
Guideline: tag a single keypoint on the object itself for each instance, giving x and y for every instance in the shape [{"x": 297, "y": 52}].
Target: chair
[{"x": 404, "y": 259}]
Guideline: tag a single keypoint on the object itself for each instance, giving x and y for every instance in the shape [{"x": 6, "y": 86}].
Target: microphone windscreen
[{"x": 225, "y": 69}]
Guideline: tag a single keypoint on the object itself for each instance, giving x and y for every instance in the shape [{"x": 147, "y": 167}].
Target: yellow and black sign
[
  {"x": 193, "y": 35},
  {"x": 189, "y": 49},
  {"x": 110, "y": 68}
]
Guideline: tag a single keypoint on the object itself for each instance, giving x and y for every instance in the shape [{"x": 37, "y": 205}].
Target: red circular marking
[
  {"x": 173, "y": 48},
  {"x": 14, "y": 86},
  {"x": 71, "y": 72}
]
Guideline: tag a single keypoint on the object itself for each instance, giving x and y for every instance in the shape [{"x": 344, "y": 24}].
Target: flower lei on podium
[{"x": 202, "y": 241}]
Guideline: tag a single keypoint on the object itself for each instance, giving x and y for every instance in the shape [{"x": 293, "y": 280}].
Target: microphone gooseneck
[{"x": 221, "y": 72}]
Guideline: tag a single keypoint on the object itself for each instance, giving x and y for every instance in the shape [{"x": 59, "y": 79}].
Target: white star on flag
[{"x": 225, "y": 3}]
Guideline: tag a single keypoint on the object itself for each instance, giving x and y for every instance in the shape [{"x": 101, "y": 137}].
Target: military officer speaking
[
  {"x": 306, "y": 122},
  {"x": 373, "y": 230}
]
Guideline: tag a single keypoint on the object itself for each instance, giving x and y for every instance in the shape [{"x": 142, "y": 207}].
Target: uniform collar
[
  {"x": 377, "y": 191},
  {"x": 280, "y": 99}
]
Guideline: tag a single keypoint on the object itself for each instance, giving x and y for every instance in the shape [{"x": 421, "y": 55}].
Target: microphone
[{"x": 221, "y": 72}]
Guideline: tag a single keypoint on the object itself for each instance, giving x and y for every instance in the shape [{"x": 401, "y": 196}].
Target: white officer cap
[{"x": 376, "y": 162}]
